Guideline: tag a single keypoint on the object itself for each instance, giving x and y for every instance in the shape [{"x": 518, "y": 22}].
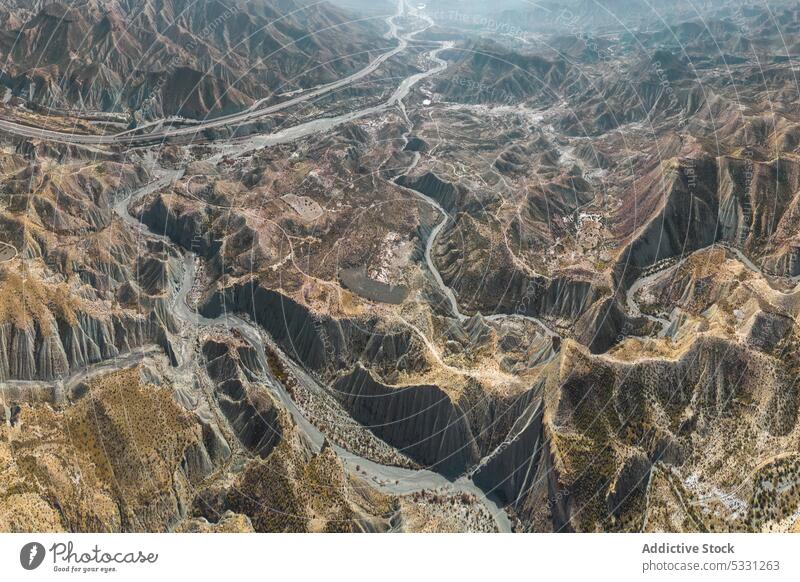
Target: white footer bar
[{"x": 400, "y": 557}]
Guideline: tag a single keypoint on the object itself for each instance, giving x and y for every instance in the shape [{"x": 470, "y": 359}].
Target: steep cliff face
[
  {"x": 754, "y": 199},
  {"x": 79, "y": 287},
  {"x": 251, "y": 412},
  {"x": 322, "y": 344},
  {"x": 449, "y": 196},
  {"x": 510, "y": 472},
  {"x": 50, "y": 348},
  {"x": 565, "y": 298},
  {"x": 485, "y": 277},
  {"x": 50, "y": 330},
  {"x": 747, "y": 203},
  {"x": 422, "y": 422},
  {"x": 784, "y": 262},
  {"x": 605, "y": 323},
  {"x": 186, "y": 226},
  {"x": 672, "y": 218}
]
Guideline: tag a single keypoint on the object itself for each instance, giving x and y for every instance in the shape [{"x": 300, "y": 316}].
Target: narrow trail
[{"x": 8, "y": 252}]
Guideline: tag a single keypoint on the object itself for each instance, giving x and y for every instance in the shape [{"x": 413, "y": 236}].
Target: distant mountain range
[{"x": 547, "y": 16}]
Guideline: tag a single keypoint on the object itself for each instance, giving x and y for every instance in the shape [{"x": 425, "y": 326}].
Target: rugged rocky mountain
[
  {"x": 91, "y": 292},
  {"x": 487, "y": 73},
  {"x": 192, "y": 59}
]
